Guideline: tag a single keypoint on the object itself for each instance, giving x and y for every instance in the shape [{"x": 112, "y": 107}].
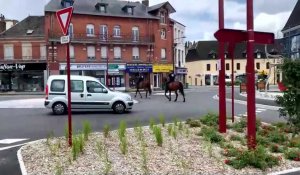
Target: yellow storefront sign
[{"x": 162, "y": 67}]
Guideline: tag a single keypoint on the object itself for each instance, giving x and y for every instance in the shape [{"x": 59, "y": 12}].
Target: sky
[{"x": 199, "y": 16}]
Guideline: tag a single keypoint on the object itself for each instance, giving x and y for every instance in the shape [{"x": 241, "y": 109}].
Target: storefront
[
  {"x": 160, "y": 71},
  {"x": 181, "y": 74},
  {"x": 134, "y": 70},
  {"x": 115, "y": 78},
  {"x": 23, "y": 77}
]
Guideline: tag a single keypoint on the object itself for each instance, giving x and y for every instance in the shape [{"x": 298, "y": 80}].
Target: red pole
[
  {"x": 251, "y": 118},
  {"x": 69, "y": 95},
  {"x": 222, "y": 90},
  {"x": 232, "y": 90}
]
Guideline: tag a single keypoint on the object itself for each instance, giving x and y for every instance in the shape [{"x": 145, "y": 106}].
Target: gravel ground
[{"x": 187, "y": 154}]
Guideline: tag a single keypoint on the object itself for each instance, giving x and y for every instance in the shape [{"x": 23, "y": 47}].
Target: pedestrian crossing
[{"x": 257, "y": 111}]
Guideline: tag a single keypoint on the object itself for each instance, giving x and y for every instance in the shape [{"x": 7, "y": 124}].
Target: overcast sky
[{"x": 199, "y": 16}]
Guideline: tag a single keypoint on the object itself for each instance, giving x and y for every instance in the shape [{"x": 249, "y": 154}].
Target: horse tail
[{"x": 181, "y": 88}]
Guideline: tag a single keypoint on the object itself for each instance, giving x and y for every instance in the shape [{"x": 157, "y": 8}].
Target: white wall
[{"x": 179, "y": 40}]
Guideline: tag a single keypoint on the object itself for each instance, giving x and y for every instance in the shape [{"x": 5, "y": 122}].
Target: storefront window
[{"x": 100, "y": 75}]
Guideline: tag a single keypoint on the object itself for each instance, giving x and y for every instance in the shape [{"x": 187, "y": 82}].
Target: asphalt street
[{"x": 37, "y": 123}]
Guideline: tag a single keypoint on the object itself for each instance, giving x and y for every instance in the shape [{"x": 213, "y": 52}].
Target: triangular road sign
[{"x": 64, "y": 18}]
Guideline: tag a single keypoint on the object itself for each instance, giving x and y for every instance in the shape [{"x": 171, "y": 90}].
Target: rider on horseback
[{"x": 171, "y": 78}]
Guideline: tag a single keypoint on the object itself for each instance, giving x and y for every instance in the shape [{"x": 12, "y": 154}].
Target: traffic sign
[
  {"x": 64, "y": 18},
  {"x": 65, "y": 39}
]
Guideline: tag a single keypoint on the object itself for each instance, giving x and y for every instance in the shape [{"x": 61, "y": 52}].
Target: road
[{"x": 35, "y": 122}]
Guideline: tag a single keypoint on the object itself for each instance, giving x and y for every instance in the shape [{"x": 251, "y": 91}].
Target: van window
[
  {"x": 92, "y": 85},
  {"x": 58, "y": 86},
  {"x": 76, "y": 86}
]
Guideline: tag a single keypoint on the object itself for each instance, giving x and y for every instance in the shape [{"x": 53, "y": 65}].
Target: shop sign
[
  {"x": 84, "y": 67},
  {"x": 10, "y": 67},
  {"x": 162, "y": 67},
  {"x": 138, "y": 68},
  {"x": 181, "y": 71}
]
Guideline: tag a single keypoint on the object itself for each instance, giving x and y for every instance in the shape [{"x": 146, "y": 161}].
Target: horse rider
[
  {"x": 171, "y": 78},
  {"x": 141, "y": 78}
]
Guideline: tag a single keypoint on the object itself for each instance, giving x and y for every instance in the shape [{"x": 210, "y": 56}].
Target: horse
[
  {"x": 143, "y": 84},
  {"x": 174, "y": 86}
]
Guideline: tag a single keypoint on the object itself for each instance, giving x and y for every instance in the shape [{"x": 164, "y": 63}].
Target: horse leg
[
  {"x": 140, "y": 94},
  {"x": 166, "y": 94},
  {"x": 146, "y": 93},
  {"x": 182, "y": 92},
  {"x": 136, "y": 92},
  {"x": 176, "y": 96},
  {"x": 169, "y": 95}
]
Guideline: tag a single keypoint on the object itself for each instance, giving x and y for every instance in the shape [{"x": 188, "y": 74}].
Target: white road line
[
  {"x": 9, "y": 147},
  {"x": 10, "y": 141}
]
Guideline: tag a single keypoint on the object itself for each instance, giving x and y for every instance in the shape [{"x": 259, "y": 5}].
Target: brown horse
[
  {"x": 143, "y": 84},
  {"x": 174, "y": 86}
]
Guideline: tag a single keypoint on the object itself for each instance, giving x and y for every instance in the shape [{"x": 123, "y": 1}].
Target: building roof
[
  {"x": 114, "y": 8},
  {"x": 293, "y": 20},
  {"x": 158, "y": 6},
  {"x": 177, "y": 22},
  {"x": 32, "y": 26},
  {"x": 202, "y": 50}
]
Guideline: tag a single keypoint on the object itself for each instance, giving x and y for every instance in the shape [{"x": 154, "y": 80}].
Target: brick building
[
  {"x": 131, "y": 37},
  {"x": 23, "y": 56}
]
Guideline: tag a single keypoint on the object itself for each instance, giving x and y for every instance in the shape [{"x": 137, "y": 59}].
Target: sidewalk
[{"x": 21, "y": 93}]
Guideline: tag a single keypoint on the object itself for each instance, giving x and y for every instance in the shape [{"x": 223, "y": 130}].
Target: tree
[{"x": 290, "y": 101}]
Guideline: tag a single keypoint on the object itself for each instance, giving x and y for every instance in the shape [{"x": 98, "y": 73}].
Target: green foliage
[
  {"x": 162, "y": 120},
  {"x": 106, "y": 130},
  {"x": 277, "y": 137},
  {"x": 231, "y": 152},
  {"x": 175, "y": 121},
  {"x": 170, "y": 127},
  {"x": 210, "y": 119},
  {"x": 258, "y": 158},
  {"x": 180, "y": 126},
  {"x": 87, "y": 129},
  {"x": 81, "y": 142},
  {"x": 152, "y": 123},
  {"x": 75, "y": 147},
  {"x": 290, "y": 101},
  {"x": 123, "y": 145},
  {"x": 174, "y": 132},
  {"x": 275, "y": 148},
  {"x": 292, "y": 154},
  {"x": 294, "y": 142},
  {"x": 49, "y": 138},
  {"x": 99, "y": 148},
  {"x": 260, "y": 140},
  {"x": 58, "y": 169},
  {"x": 122, "y": 129},
  {"x": 280, "y": 124},
  {"x": 239, "y": 126},
  {"x": 158, "y": 135},
  {"x": 66, "y": 129},
  {"x": 235, "y": 137},
  {"x": 211, "y": 135},
  {"x": 194, "y": 123}
]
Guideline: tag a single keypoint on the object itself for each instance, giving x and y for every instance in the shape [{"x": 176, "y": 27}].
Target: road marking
[
  {"x": 135, "y": 101},
  {"x": 10, "y": 141},
  {"x": 8, "y": 147}
]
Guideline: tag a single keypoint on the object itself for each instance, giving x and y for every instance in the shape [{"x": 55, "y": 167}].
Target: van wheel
[
  {"x": 59, "y": 108},
  {"x": 119, "y": 107}
]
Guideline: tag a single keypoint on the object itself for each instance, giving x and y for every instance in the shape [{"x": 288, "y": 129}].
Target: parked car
[{"x": 87, "y": 94}]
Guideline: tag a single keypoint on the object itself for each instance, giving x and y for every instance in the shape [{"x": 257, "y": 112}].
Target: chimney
[
  {"x": 145, "y": 2},
  {"x": 2, "y": 23}
]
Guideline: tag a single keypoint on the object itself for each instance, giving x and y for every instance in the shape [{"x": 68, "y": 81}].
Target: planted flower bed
[{"x": 192, "y": 147}]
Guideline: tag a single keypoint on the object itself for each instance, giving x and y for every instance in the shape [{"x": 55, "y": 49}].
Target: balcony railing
[{"x": 100, "y": 38}]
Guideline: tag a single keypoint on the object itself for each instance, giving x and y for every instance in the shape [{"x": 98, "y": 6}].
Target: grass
[
  {"x": 87, "y": 129},
  {"x": 122, "y": 129},
  {"x": 152, "y": 123},
  {"x": 170, "y": 128},
  {"x": 210, "y": 134},
  {"x": 123, "y": 145},
  {"x": 158, "y": 135},
  {"x": 210, "y": 119},
  {"x": 162, "y": 120},
  {"x": 106, "y": 130}
]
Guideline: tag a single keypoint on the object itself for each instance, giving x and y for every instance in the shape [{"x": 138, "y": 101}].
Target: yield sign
[{"x": 64, "y": 18}]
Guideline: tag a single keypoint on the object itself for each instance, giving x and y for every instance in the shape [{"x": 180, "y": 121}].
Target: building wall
[
  {"x": 198, "y": 69},
  {"x": 180, "y": 47}
]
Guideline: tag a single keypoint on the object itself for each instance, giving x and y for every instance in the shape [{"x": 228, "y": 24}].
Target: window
[
  {"x": 117, "y": 31},
  {"x": 163, "y": 53},
  {"x": 103, "y": 52},
  {"x": 103, "y": 32},
  {"x": 94, "y": 87},
  {"x": 72, "y": 55},
  {"x": 257, "y": 65},
  {"x": 102, "y": 8},
  {"x": 8, "y": 51},
  {"x": 91, "y": 52},
  {"x": 268, "y": 65},
  {"x": 208, "y": 67},
  {"x": 162, "y": 17},
  {"x": 58, "y": 86},
  {"x": 227, "y": 66},
  {"x": 129, "y": 10},
  {"x": 43, "y": 51},
  {"x": 135, "y": 33},
  {"x": 76, "y": 86},
  {"x": 135, "y": 53},
  {"x": 26, "y": 51},
  {"x": 90, "y": 30},
  {"x": 238, "y": 66},
  {"x": 71, "y": 30},
  {"x": 117, "y": 52},
  {"x": 163, "y": 33}
]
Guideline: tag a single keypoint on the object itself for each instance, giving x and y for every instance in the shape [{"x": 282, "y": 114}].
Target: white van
[{"x": 87, "y": 94}]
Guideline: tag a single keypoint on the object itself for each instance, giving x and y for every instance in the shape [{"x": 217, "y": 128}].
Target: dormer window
[
  {"x": 101, "y": 7},
  {"x": 128, "y": 8},
  {"x": 163, "y": 18},
  {"x": 67, "y": 3}
]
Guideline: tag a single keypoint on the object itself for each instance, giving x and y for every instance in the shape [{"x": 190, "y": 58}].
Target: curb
[
  {"x": 274, "y": 108},
  {"x": 21, "y": 162},
  {"x": 293, "y": 170}
]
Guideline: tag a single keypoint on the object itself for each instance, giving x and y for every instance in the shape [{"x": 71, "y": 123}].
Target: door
[
  {"x": 156, "y": 81},
  {"x": 77, "y": 94},
  {"x": 96, "y": 97},
  {"x": 103, "y": 33}
]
